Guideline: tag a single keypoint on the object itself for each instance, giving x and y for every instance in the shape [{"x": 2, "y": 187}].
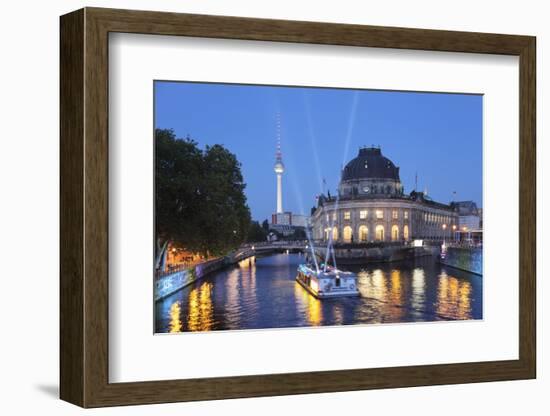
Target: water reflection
[
  {"x": 175, "y": 322},
  {"x": 262, "y": 293},
  {"x": 338, "y": 315},
  {"x": 232, "y": 305},
  {"x": 396, "y": 297},
  {"x": 201, "y": 309},
  {"x": 418, "y": 295},
  {"x": 309, "y": 304},
  {"x": 454, "y": 297},
  {"x": 373, "y": 285}
]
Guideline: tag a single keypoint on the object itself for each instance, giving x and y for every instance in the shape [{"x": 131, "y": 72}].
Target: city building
[
  {"x": 470, "y": 222},
  {"x": 288, "y": 218},
  {"x": 469, "y": 215},
  {"x": 372, "y": 206},
  {"x": 283, "y": 229}
]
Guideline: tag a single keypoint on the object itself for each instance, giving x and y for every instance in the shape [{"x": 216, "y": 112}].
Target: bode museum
[{"x": 372, "y": 207}]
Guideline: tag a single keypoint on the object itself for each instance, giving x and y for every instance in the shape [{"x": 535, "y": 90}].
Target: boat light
[{"x": 314, "y": 285}]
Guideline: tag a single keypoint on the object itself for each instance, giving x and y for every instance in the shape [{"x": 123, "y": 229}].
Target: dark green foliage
[
  {"x": 256, "y": 232},
  {"x": 300, "y": 234},
  {"x": 200, "y": 202},
  {"x": 277, "y": 234}
]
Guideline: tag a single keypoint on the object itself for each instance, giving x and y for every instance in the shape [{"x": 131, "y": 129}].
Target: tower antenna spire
[
  {"x": 279, "y": 168},
  {"x": 279, "y": 154}
]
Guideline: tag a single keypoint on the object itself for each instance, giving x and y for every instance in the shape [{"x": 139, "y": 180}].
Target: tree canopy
[
  {"x": 200, "y": 202},
  {"x": 256, "y": 233}
]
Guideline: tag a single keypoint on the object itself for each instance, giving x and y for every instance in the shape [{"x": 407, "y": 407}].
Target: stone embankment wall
[
  {"x": 464, "y": 258},
  {"x": 172, "y": 282},
  {"x": 379, "y": 254}
]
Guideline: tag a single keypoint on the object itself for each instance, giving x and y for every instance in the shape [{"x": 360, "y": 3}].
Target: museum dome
[{"x": 370, "y": 164}]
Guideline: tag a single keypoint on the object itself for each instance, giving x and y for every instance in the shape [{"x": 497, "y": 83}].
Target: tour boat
[{"x": 327, "y": 283}]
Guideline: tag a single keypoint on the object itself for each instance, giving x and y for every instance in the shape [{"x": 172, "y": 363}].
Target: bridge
[
  {"x": 266, "y": 246},
  {"x": 345, "y": 253}
]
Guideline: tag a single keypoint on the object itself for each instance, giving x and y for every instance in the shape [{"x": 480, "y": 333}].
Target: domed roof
[{"x": 370, "y": 164}]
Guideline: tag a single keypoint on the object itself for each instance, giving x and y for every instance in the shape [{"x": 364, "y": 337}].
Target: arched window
[
  {"x": 379, "y": 233},
  {"x": 406, "y": 232},
  {"x": 363, "y": 233},
  {"x": 394, "y": 233},
  {"x": 327, "y": 236},
  {"x": 348, "y": 233},
  {"x": 335, "y": 234}
]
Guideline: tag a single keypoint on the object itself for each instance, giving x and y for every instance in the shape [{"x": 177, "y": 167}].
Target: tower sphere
[{"x": 279, "y": 167}]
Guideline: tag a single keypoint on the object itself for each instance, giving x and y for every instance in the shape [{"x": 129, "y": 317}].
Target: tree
[
  {"x": 256, "y": 232},
  {"x": 224, "y": 215},
  {"x": 277, "y": 234},
  {"x": 177, "y": 165},
  {"x": 300, "y": 233},
  {"x": 200, "y": 203},
  {"x": 265, "y": 226}
]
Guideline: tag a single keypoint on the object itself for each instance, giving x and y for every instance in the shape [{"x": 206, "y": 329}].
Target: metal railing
[
  {"x": 179, "y": 267},
  {"x": 278, "y": 243},
  {"x": 464, "y": 244}
]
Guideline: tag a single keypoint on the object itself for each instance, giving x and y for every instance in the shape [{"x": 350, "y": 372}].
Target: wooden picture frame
[{"x": 84, "y": 207}]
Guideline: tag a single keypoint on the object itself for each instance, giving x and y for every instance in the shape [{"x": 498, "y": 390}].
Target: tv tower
[{"x": 279, "y": 168}]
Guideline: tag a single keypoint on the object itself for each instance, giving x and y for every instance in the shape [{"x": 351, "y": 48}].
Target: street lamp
[
  {"x": 444, "y": 226},
  {"x": 454, "y": 231}
]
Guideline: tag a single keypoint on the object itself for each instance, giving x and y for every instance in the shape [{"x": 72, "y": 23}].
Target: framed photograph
[{"x": 255, "y": 207}]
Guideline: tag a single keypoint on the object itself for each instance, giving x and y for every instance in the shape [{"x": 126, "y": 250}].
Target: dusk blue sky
[{"x": 437, "y": 136}]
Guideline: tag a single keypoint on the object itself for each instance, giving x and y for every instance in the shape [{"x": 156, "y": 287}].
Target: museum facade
[{"x": 372, "y": 207}]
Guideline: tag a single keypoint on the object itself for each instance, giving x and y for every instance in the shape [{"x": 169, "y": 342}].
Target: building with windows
[
  {"x": 470, "y": 222},
  {"x": 469, "y": 215},
  {"x": 372, "y": 206},
  {"x": 288, "y": 218}
]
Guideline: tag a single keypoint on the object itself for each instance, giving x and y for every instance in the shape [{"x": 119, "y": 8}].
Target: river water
[{"x": 262, "y": 293}]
